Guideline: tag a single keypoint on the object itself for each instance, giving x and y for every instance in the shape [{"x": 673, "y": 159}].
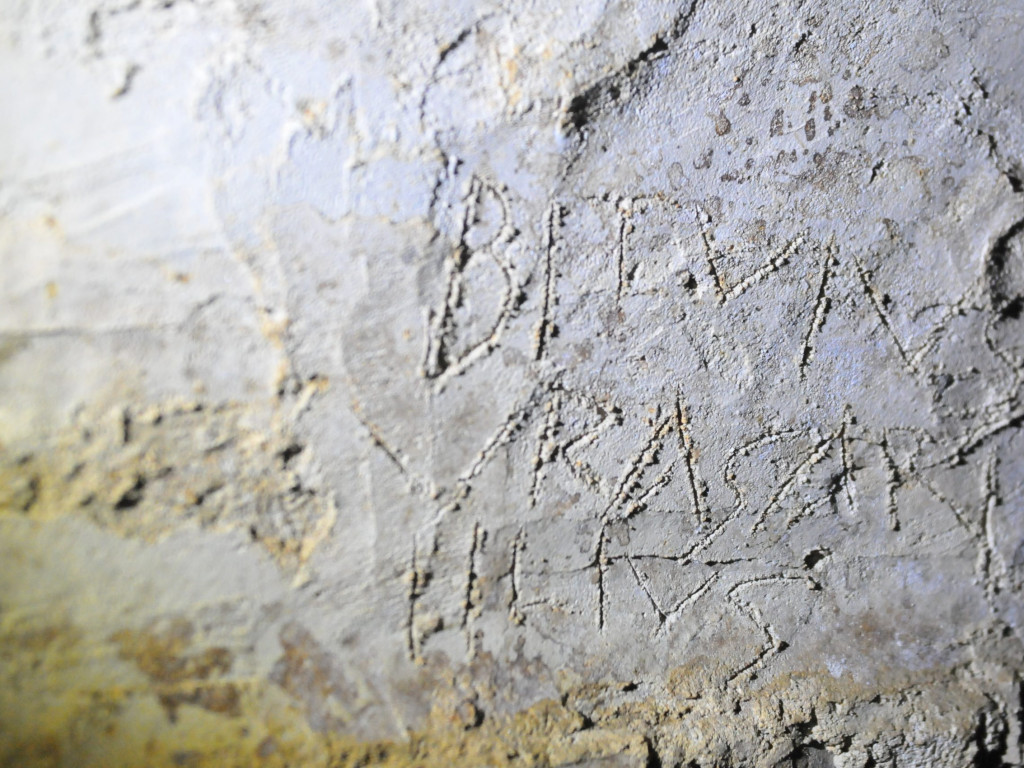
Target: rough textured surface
[{"x": 592, "y": 383}]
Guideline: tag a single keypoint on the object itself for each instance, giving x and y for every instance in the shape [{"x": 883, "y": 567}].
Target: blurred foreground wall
[{"x": 607, "y": 382}]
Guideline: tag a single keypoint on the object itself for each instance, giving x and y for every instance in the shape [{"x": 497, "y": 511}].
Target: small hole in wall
[
  {"x": 814, "y": 557},
  {"x": 133, "y": 496},
  {"x": 290, "y": 452},
  {"x": 1012, "y": 311},
  {"x": 812, "y": 755}
]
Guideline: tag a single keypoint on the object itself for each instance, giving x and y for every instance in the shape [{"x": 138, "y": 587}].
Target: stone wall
[{"x": 480, "y": 383}]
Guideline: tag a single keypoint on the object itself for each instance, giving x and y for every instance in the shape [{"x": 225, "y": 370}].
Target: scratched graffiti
[
  {"x": 499, "y": 354},
  {"x": 616, "y": 509}
]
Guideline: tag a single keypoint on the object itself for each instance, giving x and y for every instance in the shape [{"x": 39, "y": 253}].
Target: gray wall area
[{"x": 498, "y": 382}]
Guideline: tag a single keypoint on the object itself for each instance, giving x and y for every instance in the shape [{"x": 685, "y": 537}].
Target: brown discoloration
[
  {"x": 692, "y": 679},
  {"x": 29, "y": 650},
  {"x": 861, "y": 104},
  {"x": 695, "y": 715},
  {"x": 592, "y": 722},
  {"x": 147, "y": 473},
  {"x": 159, "y": 652},
  {"x": 705, "y": 160},
  {"x": 310, "y": 675},
  {"x": 44, "y": 752},
  {"x": 219, "y": 698},
  {"x": 178, "y": 677},
  {"x": 722, "y": 124}
]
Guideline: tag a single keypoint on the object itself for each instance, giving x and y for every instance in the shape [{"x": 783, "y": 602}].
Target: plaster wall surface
[{"x": 596, "y": 383}]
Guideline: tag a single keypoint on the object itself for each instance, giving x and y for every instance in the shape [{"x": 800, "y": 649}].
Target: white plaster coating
[{"x": 540, "y": 342}]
